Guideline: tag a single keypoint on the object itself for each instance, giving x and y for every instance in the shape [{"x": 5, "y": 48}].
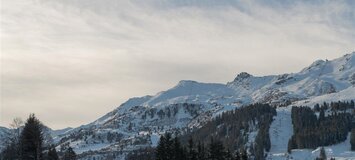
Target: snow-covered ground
[
  {"x": 340, "y": 151},
  {"x": 280, "y": 132},
  {"x": 344, "y": 95}
]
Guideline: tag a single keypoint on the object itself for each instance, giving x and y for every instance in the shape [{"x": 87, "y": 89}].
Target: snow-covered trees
[{"x": 311, "y": 132}]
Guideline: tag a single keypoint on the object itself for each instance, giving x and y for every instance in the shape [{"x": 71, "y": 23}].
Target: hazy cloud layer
[{"x": 71, "y": 61}]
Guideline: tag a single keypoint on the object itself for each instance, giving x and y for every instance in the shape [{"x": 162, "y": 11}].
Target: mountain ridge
[
  {"x": 139, "y": 121},
  {"x": 312, "y": 81}
]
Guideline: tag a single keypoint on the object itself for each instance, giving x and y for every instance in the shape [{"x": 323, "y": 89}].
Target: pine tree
[
  {"x": 322, "y": 155},
  {"x": 52, "y": 154},
  {"x": 237, "y": 156},
  {"x": 201, "y": 152},
  {"x": 178, "y": 152},
  {"x": 192, "y": 155},
  {"x": 321, "y": 115},
  {"x": 169, "y": 146},
  {"x": 352, "y": 139},
  {"x": 10, "y": 152},
  {"x": 69, "y": 154},
  {"x": 229, "y": 155},
  {"x": 165, "y": 147},
  {"x": 316, "y": 107},
  {"x": 31, "y": 140},
  {"x": 244, "y": 155},
  {"x": 161, "y": 149},
  {"x": 216, "y": 150}
]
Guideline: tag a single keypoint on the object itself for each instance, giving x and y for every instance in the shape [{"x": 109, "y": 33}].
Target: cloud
[{"x": 72, "y": 61}]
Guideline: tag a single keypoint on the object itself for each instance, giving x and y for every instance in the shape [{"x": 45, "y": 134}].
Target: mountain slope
[
  {"x": 4, "y": 134},
  {"x": 281, "y": 130},
  {"x": 139, "y": 121}
]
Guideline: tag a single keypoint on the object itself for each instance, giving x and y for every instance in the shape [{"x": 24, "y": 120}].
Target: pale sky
[{"x": 72, "y": 61}]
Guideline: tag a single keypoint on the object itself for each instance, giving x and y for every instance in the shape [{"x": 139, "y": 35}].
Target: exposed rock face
[{"x": 241, "y": 76}]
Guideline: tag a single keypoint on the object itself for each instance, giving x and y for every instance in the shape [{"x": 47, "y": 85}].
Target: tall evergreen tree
[
  {"x": 69, "y": 154},
  {"x": 161, "y": 149},
  {"x": 321, "y": 115},
  {"x": 244, "y": 155},
  {"x": 165, "y": 147},
  {"x": 31, "y": 140},
  {"x": 201, "y": 152},
  {"x": 322, "y": 154},
  {"x": 192, "y": 154},
  {"x": 169, "y": 146},
  {"x": 352, "y": 139},
  {"x": 178, "y": 152},
  {"x": 216, "y": 150},
  {"x": 52, "y": 154}
]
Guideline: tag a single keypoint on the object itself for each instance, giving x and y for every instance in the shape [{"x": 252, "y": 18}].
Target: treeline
[
  {"x": 334, "y": 106},
  {"x": 170, "y": 148},
  {"x": 232, "y": 128},
  {"x": 227, "y": 134},
  {"x": 310, "y": 131},
  {"x": 27, "y": 143}
]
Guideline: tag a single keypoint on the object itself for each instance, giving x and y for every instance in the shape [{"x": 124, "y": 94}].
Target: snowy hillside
[
  {"x": 281, "y": 130},
  {"x": 139, "y": 121},
  {"x": 4, "y": 133}
]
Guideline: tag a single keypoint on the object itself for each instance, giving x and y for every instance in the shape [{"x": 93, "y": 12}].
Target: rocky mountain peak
[{"x": 241, "y": 76}]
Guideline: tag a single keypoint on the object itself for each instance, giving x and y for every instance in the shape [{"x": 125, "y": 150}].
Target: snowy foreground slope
[{"x": 139, "y": 121}]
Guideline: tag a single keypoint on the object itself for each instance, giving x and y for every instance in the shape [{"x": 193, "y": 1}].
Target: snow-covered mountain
[
  {"x": 139, "y": 121},
  {"x": 4, "y": 134}
]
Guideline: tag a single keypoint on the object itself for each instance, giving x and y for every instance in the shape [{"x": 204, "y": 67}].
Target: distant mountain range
[{"x": 141, "y": 120}]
